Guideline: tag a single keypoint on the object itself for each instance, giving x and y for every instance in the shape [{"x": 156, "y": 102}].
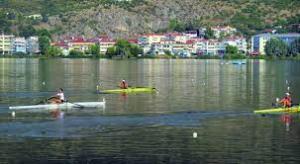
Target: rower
[
  {"x": 286, "y": 101},
  {"x": 58, "y": 98},
  {"x": 123, "y": 84}
]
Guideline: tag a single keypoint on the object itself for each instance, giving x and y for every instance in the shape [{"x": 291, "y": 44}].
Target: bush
[
  {"x": 76, "y": 54},
  {"x": 234, "y": 56}
]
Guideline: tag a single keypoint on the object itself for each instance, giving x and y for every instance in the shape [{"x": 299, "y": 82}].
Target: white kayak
[{"x": 66, "y": 105}]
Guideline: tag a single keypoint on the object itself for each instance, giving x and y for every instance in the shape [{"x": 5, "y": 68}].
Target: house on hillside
[{"x": 224, "y": 31}]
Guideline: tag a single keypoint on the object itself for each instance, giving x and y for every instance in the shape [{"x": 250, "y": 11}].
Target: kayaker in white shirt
[
  {"x": 61, "y": 95},
  {"x": 58, "y": 98}
]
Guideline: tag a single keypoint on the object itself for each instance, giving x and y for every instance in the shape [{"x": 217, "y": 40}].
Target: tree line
[{"x": 278, "y": 48}]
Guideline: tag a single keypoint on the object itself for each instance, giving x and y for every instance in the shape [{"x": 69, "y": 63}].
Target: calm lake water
[{"x": 212, "y": 98}]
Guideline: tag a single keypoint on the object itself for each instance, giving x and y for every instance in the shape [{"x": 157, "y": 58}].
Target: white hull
[{"x": 66, "y": 105}]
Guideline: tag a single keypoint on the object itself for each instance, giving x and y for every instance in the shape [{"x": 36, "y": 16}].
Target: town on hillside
[{"x": 214, "y": 41}]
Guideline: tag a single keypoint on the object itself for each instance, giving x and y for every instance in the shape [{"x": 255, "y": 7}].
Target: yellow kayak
[
  {"x": 294, "y": 109},
  {"x": 129, "y": 90}
]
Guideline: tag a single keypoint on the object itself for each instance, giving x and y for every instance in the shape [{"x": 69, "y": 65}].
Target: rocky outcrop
[{"x": 151, "y": 16}]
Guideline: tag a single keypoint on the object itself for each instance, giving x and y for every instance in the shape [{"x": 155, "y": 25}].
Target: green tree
[
  {"x": 135, "y": 50},
  {"x": 231, "y": 49},
  {"x": 122, "y": 48},
  {"x": 222, "y": 36},
  {"x": 294, "y": 48},
  {"x": 176, "y": 25},
  {"x": 276, "y": 47},
  {"x": 95, "y": 50},
  {"x": 111, "y": 51},
  {"x": 27, "y": 31},
  {"x": 209, "y": 34},
  {"x": 75, "y": 53},
  {"x": 44, "y": 17},
  {"x": 44, "y": 43},
  {"x": 44, "y": 32},
  {"x": 53, "y": 51},
  {"x": 4, "y": 22}
]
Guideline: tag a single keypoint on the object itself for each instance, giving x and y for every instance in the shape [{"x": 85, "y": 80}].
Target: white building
[
  {"x": 238, "y": 42},
  {"x": 105, "y": 43},
  {"x": 32, "y": 45},
  {"x": 19, "y": 45},
  {"x": 223, "y": 30},
  {"x": 6, "y": 43}
]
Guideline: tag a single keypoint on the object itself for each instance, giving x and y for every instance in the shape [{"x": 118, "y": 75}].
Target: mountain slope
[{"x": 120, "y": 19}]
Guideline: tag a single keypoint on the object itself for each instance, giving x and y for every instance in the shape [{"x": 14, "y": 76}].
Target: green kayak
[
  {"x": 293, "y": 109},
  {"x": 129, "y": 90}
]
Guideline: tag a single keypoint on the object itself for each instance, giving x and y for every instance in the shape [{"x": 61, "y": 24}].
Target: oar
[{"x": 76, "y": 105}]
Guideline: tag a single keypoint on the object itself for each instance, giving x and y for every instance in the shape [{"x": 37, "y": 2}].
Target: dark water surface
[{"x": 212, "y": 98}]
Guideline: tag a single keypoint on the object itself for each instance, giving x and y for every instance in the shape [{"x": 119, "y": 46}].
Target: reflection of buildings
[{"x": 19, "y": 74}]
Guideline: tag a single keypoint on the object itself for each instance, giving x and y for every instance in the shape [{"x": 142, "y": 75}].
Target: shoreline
[{"x": 160, "y": 57}]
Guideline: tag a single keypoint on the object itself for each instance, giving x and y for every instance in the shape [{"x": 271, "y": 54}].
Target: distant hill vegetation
[{"x": 119, "y": 18}]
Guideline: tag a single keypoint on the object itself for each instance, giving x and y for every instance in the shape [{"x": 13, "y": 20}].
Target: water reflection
[{"x": 287, "y": 120}]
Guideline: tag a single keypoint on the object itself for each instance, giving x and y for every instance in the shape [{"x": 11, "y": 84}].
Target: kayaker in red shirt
[
  {"x": 123, "y": 84},
  {"x": 286, "y": 101}
]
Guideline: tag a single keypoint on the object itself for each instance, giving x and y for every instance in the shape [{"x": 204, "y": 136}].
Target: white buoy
[
  {"x": 13, "y": 114},
  {"x": 195, "y": 135},
  {"x": 44, "y": 83}
]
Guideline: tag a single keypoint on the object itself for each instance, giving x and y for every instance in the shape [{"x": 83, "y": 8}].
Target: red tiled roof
[
  {"x": 109, "y": 40},
  {"x": 134, "y": 41},
  {"x": 152, "y": 35},
  {"x": 60, "y": 44},
  {"x": 190, "y": 41}
]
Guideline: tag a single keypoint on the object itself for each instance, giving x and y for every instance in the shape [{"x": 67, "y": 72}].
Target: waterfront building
[
  {"x": 6, "y": 43},
  {"x": 258, "y": 42},
  {"x": 239, "y": 42},
  {"x": 200, "y": 46},
  {"x": 32, "y": 45},
  {"x": 80, "y": 44},
  {"x": 19, "y": 45},
  {"x": 212, "y": 47},
  {"x": 106, "y": 42}
]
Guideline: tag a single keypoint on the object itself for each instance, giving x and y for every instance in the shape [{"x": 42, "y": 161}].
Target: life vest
[{"x": 286, "y": 101}]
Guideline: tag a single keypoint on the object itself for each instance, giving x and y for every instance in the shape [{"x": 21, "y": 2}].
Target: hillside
[{"x": 120, "y": 19}]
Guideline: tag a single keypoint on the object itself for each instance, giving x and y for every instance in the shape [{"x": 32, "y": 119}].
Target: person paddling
[
  {"x": 286, "y": 101},
  {"x": 123, "y": 84},
  {"x": 58, "y": 98}
]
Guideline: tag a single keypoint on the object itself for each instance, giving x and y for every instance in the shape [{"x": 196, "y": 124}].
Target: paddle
[{"x": 76, "y": 105}]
